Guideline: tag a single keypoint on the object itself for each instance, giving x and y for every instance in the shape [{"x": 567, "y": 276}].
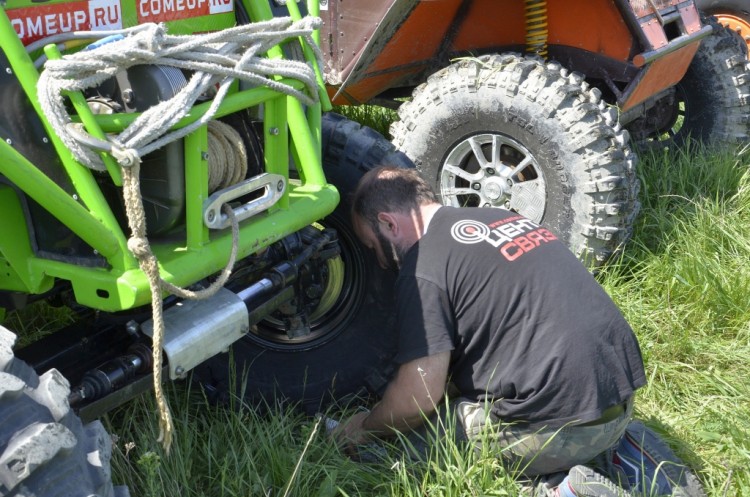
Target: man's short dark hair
[{"x": 390, "y": 189}]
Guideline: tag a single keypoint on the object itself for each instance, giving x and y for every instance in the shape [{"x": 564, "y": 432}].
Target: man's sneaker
[
  {"x": 547, "y": 485},
  {"x": 583, "y": 481}
]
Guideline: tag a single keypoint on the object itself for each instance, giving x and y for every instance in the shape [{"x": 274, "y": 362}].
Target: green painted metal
[
  {"x": 97, "y": 207},
  {"x": 307, "y": 50},
  {"x": 196, "y": 187},
  {"x": 15, "y": 248},
  {"x": 22, "y": 173},
  {"x": 113, "y": 123},
  {"x": 112, "y": 291},
  {"x": 276, "y": 138},
  {"x": 289, "y": 129}
]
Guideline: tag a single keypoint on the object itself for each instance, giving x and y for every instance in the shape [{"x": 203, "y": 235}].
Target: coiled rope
[
  {"x": 215, "y": 58},
  {"x": 227, "y": 156}
]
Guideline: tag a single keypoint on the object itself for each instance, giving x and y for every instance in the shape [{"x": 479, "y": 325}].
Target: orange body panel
[
  {"x": 492, "y": 23},
  {"x": 484, "y": 26},
  {"x": 413, "y": 38},
  {"x": 367, "y": 88},
  {"x": 595, "y": 26},
  {"x": 419, "y": 37},
  {"x": 661, "y": 74}
]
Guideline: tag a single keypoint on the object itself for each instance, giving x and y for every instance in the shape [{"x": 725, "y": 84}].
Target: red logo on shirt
[{"x": 513, "y": 236}]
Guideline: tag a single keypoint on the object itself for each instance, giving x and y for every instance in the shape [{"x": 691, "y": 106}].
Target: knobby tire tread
[{"x": 45, "y": 450}]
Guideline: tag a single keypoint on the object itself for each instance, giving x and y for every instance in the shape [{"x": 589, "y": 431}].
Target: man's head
[{"x": 387, "y": 211}]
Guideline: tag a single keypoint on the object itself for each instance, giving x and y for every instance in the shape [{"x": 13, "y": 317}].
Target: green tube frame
[{"x": 120, "y": 285}]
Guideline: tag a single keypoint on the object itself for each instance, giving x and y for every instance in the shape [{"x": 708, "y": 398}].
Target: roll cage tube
[{"x": 120, "y": 284}]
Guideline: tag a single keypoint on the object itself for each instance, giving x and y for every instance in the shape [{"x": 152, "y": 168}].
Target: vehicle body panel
[{"x": 370, "y": 55}]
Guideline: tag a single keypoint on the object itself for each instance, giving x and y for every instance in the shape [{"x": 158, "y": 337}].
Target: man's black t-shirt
[{"x": 527, "y": 324}]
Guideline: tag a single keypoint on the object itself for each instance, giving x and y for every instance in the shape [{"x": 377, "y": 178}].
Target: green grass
[
  {"x": 377, "y": 118},
  {"x": 683, "y": 283}
]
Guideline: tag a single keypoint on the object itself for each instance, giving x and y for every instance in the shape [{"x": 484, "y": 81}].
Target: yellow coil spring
[{"x": 536, "y": 27}]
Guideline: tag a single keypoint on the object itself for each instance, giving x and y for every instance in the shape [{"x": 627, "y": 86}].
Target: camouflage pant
[{"x": 529, "y": 451}]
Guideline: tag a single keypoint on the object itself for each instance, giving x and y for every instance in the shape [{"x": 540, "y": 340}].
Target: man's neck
[{"x": 427, "y": 212}]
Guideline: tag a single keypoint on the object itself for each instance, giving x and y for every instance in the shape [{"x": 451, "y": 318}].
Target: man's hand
[
  {"x": 351, "y": 433},
  {"x": 413, "y": 394}
]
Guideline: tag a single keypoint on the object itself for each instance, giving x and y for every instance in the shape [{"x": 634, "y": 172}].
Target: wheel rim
[
  {"x": 343, "y": 293},
  {"x": 665, "y": 122},
  {"x": 737, "y": 24},
  {"x": 493, "y": 170}
]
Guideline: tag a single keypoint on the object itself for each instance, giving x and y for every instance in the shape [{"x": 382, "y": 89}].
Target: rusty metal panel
[
  {"x": 658, "y": 76},
  {"x": 642, "y": 8},
  {"x": 654, "y": 32},
  {"x": 350, "y": 29},
  {"x": 404, "y": 42},
  {"x": 691, "y": 19}
]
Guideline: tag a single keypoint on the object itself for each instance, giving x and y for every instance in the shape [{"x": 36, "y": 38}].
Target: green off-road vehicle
[{"x": 136, "y": 159}]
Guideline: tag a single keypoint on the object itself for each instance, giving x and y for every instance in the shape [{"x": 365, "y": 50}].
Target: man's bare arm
[{"x": 414, "y": 392}]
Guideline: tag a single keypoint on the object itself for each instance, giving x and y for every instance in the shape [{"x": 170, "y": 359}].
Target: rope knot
[
  {"x": 152, "y": 37},
  {"x": 139, "y": 246},
  {"x": 126, "y": 157}
]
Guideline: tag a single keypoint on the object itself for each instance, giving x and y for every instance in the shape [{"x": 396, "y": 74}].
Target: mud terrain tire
[
  {"x": 712, "y": 99},
  {"x": 353, "y": 344},
  {"x": 511, "y": 131},
  {"x": 45, "y": 451}
]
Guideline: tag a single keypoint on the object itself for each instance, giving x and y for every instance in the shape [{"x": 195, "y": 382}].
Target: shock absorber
[
  {"x": 112, "y": 375},
  {"x": 536, "y": 27}
]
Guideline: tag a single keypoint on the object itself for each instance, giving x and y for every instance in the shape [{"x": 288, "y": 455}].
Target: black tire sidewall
[
  {"x": 739, "y": 8},
  {"x": 335, "y": 367}
]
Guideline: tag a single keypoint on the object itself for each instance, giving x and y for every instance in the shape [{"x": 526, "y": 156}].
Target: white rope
[
  {"x": 216, "y": 58},
  {"x": 227, "y": 156}
]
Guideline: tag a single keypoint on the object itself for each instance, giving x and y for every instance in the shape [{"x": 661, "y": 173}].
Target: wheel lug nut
[
  {"x": 490, "y": 171},
  {"x": 476, "y": 186}
]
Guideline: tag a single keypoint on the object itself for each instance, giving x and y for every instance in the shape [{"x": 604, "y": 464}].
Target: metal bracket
[
  {"x": 196, "y": 330},
  {"x": 270, "y": 188}
]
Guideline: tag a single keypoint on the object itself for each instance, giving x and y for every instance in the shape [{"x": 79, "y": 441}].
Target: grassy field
[{"x": 683, "y": 283}]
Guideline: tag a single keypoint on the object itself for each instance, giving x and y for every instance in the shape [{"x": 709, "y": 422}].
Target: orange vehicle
[{"x": 531, "y": 104}]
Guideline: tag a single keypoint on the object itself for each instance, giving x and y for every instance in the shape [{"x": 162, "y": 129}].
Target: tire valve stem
[{"x": 111, "y": 375}]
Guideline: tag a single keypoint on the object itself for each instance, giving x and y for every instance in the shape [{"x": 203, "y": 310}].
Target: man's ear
[{"x": 388, "y": 223}]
